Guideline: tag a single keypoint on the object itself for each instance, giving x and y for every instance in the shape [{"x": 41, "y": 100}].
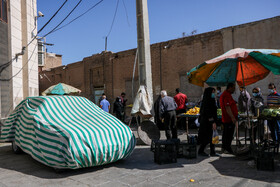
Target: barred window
[{"x": 4, "y": 10}]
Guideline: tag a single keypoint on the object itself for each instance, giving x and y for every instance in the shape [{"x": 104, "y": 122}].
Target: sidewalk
[{"x": 137, "y": 170}]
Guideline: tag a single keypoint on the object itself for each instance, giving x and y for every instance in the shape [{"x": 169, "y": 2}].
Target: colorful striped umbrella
[{"x": 244, "y": 66}]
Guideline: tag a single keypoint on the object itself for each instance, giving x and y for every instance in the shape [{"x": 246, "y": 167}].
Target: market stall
[{"x": 243, "y": 66}]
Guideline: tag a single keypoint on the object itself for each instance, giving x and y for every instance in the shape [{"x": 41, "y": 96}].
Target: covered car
[{"x": 67, "y": 132}]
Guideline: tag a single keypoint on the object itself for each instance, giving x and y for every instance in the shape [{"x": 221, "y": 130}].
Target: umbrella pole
[{"x": 247, "y": 110}]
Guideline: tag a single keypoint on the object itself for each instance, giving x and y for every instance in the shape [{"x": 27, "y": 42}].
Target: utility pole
[{"x": 143, "y": 45}]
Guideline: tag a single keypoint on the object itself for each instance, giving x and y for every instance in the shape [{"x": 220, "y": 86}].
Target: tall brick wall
[{"x": 171, "y": 60}]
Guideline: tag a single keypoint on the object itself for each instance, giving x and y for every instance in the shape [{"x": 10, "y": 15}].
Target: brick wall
[{"x": 171, "y": 60}]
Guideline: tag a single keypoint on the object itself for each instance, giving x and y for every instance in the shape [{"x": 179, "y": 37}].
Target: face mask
[
  {"x": 213, "y": 95},
  {"x": 271, "y": 90},
  {"x": 255, "y": 94}
]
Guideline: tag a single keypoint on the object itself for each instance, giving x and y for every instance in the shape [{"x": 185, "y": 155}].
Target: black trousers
[
  {"x": 205, "y": 136},
  {"x": 227, "y": 135},
  {"x": 170, "y": 124},
  {"x": 274, "y": 127},
  {"x": 181, "y": 122}
]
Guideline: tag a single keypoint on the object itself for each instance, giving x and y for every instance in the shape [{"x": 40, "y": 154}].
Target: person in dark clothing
[
  {"x": 123, "y": 101},
  {"x": 167, "y": 111},
  {"x": 207, "y": 120},
  {"x": 257, "y": 105},
  {"x": 157, "y": 113},
  {"x": 219, "y": 93},
  {"x": 118, "y": 108}
]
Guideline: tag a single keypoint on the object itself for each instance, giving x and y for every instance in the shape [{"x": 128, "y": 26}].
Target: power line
[
  {"x": 7, "y": 64},
  {"x": 113, "y": 19},
  {"x": 52, "y": 17},
  {"x": 78, "y": 16},
  {"x": 21, "y": 67},
  {"x": 64, "y": 19},
  {"x": 126, "y": 13}
]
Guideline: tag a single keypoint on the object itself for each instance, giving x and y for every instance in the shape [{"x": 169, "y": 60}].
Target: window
[
  {"x": 41, "y": 53},
  {"x": 4, "y": 10}
]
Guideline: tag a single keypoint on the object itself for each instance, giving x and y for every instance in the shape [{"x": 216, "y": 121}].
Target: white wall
[{"x": 12, "y": 91}]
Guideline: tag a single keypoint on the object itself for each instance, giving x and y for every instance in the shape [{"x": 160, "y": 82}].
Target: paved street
[{"x": 137, "y": 170}]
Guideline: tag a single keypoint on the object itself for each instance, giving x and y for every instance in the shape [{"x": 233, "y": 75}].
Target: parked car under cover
[{"x": 67, "y": 132}]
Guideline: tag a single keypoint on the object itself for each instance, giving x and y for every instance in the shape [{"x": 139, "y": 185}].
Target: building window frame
[{"x": 2, "y": 12}]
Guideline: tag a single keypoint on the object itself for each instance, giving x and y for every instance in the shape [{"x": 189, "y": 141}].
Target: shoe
[
  {"x": 203, "y": 154},
  {"x": 215, "y": 155},
  {"x": 230, "y": 151}
]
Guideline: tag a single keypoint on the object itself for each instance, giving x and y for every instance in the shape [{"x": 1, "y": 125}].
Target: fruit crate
[
  {"x": 165, "y": 152},
  {"x": 176, "y": 141},
  {"x": 187, "y": 150}
]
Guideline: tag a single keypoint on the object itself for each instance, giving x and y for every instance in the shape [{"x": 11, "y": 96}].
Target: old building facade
[
  {"x": 19, "y": 68},
  {"x": 112, "y": 72}
]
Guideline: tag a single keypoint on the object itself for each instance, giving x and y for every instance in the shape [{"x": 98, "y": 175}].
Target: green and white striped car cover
[{"x": 68, "y": 132}]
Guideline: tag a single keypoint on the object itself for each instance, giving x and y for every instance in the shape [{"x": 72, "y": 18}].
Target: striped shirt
[{"x": 273, "y": 99}]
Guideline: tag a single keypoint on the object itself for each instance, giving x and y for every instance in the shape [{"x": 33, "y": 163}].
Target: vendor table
[{"x": 187, "y": 120}]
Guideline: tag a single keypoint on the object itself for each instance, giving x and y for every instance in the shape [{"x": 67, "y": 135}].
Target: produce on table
[
  {"x": 193, "y": 111},
  {"x": 270, "y": 112}
]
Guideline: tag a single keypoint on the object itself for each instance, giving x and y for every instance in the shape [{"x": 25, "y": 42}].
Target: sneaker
[{"x": 203, "y": 154}]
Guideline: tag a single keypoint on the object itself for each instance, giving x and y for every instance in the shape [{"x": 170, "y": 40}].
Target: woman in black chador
[{"x": 207, "y": 120}]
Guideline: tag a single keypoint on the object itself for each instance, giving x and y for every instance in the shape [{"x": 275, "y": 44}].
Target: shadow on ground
[
  {"x": 233, "y": 167},
  {"x": 141, "y": 159}
]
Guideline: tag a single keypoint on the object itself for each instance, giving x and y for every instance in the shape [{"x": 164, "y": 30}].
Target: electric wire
[
  {"x": 126, "y": 13},
  {"x": 7, "y": 64},
  {"x": 78, "y": 16},
  {"x": 116, "y": 10},
  {"x": 52, "y": 17},
  {"x": 64, "y": 19},
  {"x": 21, "y": 67}
]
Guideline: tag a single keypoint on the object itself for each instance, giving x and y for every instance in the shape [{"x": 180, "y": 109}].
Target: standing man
[
  {"x": 181, "y": 100},
  {"x": 104, "y": 104},
  {"x": 167, "y": 111},
  {"x": 229, "y": 117},
  {"x": 273, "y": 101}
]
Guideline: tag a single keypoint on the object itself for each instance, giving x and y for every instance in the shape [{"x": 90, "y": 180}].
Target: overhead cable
[
  {"x": 52, "y": 17},
  {"x": 7, "y": 64},
  {"x": 113, "y": 19},
  {"x": 78, "y": 16},
  {"x": 64, "y": 19}
]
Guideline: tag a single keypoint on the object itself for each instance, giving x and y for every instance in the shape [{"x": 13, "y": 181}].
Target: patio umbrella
[
  {"x": 60, "y": 89},
  {"x": 244, "y": 66}
]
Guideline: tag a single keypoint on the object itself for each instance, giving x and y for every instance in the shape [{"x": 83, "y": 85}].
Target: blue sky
[{"x": 168, "y": 19}]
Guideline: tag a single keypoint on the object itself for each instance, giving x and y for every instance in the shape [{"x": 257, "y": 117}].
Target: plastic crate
[
  {"x": 176, "y": 141},
  {"x": 187, "y": 150},
  {"x": 165, "y": 152},
  {"x": 153, "y": 145},
  {"x": 265, "y": 161}
]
